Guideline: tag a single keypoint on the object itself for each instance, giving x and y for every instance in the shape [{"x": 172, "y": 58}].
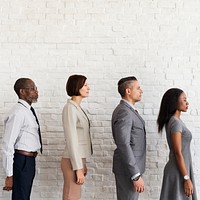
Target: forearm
[
  {"x": 128, "y": 158},
  {"x": 181, "y": 164},
  {"x": 8, "y": 156}
]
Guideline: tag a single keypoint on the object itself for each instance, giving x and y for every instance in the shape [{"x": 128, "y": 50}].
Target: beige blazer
[{"x": 77, "y": 135}]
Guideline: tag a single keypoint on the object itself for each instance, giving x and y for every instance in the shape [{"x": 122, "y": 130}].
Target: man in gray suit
[{"x": 129, "y": 134}]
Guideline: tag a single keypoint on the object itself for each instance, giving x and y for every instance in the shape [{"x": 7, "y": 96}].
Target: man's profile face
[
  {"x": 135, "y": 92},
  {"x": 29, "y": 93}
]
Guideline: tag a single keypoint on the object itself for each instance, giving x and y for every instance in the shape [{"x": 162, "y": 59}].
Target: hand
[
  {"x": 85, "y": 170},
  {"x": 139, "y": 185},
  {"x": 188, "y": 187},
  {"x": 8, "y": 183},
  {"x": 80, "y": 178}
]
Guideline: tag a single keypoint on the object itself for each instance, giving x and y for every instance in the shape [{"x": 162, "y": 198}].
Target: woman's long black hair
[{"x": 168, "y": 106}]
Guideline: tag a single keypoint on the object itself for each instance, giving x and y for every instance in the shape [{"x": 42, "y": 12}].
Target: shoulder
[
  {"x": 122, "y": 108},
  {"x": 175, "y": 125},
  {"x": 121, "y": 113},
  {"x": 174, "y": 121},
  {"x": 17, "y": 109},
  {"x": 70, "y": 109},
  {"x": 16, "y": 112},
  {"x": 70, "y": 105}
]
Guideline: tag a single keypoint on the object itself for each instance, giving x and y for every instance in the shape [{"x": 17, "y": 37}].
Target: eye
[{"x": 34, "y": 88}]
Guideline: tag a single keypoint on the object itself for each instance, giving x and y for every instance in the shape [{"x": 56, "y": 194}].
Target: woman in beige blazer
[{"x": 77, "y": 135}]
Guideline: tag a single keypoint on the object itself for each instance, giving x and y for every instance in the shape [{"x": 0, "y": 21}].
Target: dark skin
[
  {"x": 29, "y": 94},
  {"x": 176, "y": 143}
]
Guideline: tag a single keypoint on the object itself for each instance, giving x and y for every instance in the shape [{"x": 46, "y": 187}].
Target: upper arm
[
  {"x": 176, "y": 132},
  {"x": 122, "y": 125},
  {"x": 13, "y": 126},
  {"x": 69, "y": 119},
  {"x": 176, "y": 142}
]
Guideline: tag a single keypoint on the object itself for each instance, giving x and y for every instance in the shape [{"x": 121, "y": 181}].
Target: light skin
[
  {"x": 29, "y": 94},
  {"x": 84, "y": 92},
  {"x": 134, "y": 95},
  {"x": 176, "y": 144}
]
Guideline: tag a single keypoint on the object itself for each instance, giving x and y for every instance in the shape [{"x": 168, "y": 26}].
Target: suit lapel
[
  {"x": 82, "y": 112},
  {"x": 138, "y": 115},
  {"x": 134, "y": 111}
]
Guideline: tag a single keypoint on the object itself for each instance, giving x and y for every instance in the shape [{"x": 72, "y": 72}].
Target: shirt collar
[
  {"x": 129, "y": 103},
  {"x": 21, "y": 101}
]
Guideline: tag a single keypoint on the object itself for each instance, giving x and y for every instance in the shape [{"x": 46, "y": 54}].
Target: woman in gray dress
[{"x": 178, "y": 178}]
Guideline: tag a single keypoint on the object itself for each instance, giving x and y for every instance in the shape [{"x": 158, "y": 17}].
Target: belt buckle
[{"x": 35, "y": 154}]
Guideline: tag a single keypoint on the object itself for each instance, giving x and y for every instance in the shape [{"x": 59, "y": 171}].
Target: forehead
[
  {"x": 182, "y": 95},
  {"x": 135, "y": 83},
  {"x": 30, "y": 83}
]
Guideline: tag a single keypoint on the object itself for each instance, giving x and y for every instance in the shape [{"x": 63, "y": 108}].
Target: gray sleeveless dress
[{"x": 172, "y": 185}]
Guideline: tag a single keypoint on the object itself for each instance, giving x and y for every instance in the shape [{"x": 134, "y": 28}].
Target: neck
[
  {"x": 129, "y": 100},
  {"x": 177, "y": 114},
  {"x": 77, "y": 99},
  {"x": 26, "y": 101}
]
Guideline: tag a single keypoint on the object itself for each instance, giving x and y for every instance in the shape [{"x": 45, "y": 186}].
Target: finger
[
  {"x": 4, "y": 188},
  {"x": 189, "y": 192},
  {"x": 7, "y": 188},
  {"x": 80, "y": 181},
  {"x": 138, "y": 189},
  {"x": 77, "y": 181}
]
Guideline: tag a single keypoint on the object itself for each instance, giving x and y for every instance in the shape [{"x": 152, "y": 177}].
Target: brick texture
[{"x": 158, "y": 41}]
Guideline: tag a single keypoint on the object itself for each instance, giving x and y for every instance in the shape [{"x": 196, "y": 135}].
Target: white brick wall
[{"x": 158, "y": 41}]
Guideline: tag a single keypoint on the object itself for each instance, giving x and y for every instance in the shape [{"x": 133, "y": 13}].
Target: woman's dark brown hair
[{"x": 74, "y": 84}]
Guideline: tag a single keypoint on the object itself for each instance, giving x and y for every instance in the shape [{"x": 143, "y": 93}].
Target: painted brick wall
[{"x": 158, "y": 41}]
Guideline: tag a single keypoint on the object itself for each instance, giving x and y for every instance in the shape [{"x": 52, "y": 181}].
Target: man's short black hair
[
  {"x": 124, "y": 83},
  {"x": 20, "y": 84},
  {"x": 129, "y": 78}
]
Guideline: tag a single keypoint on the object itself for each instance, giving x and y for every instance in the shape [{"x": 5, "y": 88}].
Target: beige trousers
[{"x": 71, "y": 190}]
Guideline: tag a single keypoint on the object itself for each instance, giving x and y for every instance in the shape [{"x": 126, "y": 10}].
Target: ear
[
  {"x": 21, "y": 92},
  {"x": 128, "y": 91}
]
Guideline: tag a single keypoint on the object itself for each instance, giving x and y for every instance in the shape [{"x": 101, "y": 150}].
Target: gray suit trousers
[{"x": 125, "y": 189}]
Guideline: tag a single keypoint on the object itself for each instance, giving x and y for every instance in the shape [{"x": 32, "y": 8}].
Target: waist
[
  {"x": 84, "y": 152},
  {"x": 26, "y": 153}
]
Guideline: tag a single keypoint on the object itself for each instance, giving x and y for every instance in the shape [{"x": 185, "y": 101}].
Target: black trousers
[{"x": 23, "y": 175}]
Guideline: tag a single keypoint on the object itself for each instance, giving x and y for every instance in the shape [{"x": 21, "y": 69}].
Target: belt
[{"x": 26, "y": 153}]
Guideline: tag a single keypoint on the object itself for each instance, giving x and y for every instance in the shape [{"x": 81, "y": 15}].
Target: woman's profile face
[
  {"x": 182, "y": 102},
  {"x": 84, "y": 91}
]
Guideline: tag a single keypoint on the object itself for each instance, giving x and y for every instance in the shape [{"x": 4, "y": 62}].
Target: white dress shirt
[{"x": 21, "y": 132}]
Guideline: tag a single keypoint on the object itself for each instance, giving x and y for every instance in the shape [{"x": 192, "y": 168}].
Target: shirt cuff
[{"x": 134, "y": 176}]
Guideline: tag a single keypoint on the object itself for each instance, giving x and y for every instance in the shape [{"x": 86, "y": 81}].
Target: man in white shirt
[{"x": 21, "y": 141}]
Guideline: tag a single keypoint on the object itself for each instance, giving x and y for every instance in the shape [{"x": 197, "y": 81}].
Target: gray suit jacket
[{"x": 129, "y": 134}]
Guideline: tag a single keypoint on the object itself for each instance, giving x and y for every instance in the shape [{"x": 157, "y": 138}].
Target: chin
[{"x": 34, "y": 101}]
